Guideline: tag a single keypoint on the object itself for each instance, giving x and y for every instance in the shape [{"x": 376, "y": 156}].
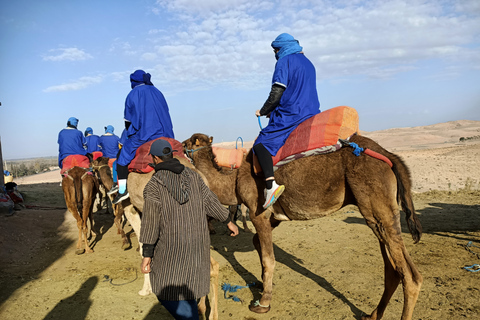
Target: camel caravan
[{"x": 325, "y": 164}]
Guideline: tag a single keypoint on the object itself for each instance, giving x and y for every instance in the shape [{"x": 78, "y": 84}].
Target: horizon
[
  {"x": 399, "y": 63},
  {"x": 250, "y": 141}
]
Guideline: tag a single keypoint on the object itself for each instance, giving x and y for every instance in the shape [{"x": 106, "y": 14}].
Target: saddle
[
  {"x": 319, "y": 134},
  {"x": 142, "y": 160},
  {"x": 229, "y": 158},
  {"x": 75, "y": 160}
]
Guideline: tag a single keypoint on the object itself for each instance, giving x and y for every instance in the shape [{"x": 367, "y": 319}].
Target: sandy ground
[{"x": 328, "y": 268}]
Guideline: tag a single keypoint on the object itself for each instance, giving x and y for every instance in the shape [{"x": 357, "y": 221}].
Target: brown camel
[
  {"x": 104, "y": 174},
  {"x": 80, "y": 188},
  {"x": 134, "y": 206},
  {"x": 315, "y": 187}
]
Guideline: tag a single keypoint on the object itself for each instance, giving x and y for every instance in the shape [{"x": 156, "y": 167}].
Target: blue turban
[
  {"x": 286, "y": 45},
  {"x": 140, "y": 77},
  {"x": 73, "y": 121},
  {"x": 109, "y": 129},
  {"x": 88, "y": 131}
]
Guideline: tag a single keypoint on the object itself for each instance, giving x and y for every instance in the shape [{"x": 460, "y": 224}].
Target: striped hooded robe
[{"x": 174, "y": 220}]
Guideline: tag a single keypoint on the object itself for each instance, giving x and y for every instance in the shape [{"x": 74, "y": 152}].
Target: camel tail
[
  {"x": 77, "y": 183},
  {"x": 404, "y": 196}
]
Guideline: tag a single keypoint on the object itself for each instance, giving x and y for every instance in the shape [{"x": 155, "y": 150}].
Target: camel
[
  {"x": 80, "y": 188},
  {"x": 104, "y": 174},
  {"x": 134, "y": 206},
  {"x": 317, "y": 186}
]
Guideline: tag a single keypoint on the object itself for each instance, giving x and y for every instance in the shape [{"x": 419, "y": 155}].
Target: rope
[
  {"x": 107, "y": 278},
  {"x": 470, "y": 244},
  {"x": 229, "y": 288},
  {"x": 473, "y": 268}
]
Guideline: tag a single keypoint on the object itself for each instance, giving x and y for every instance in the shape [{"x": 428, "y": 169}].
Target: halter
[{"x": 191, "y": 152}]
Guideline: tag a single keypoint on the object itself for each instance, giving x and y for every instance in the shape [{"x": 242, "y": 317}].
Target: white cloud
[
  {"x": 71, "y": 54},
  {"x": 81, "y": 83}
]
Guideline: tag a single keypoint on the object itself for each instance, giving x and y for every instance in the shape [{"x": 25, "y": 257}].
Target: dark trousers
[{"x": 182, "y": 310}]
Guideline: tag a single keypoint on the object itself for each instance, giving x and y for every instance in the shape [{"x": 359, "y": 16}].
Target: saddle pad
[
  {"x": 316, "y": 135},
  {"x": 229, "y": 158},
  {"x": 97, "y": 154},
  {"x": 75, "y": 160},
  {"x": 140, "y": 164}
]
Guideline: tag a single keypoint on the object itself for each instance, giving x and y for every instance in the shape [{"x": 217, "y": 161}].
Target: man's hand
[
  {"x": 257, "y": 113},
  {"x": 233, "y": 229},
  {"x": 145, "y": 265}
]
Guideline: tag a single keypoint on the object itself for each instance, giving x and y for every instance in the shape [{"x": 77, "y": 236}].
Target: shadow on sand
[{"x": 77, "y": 305}]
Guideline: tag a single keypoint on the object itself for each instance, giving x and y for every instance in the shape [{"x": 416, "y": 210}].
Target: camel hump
[{"x": 140, "y": 164}]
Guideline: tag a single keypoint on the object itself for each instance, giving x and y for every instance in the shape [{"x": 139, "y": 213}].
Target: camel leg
[
  {"x": 214, "y": 272},
  {"x": 86, "y": 218},
  {"x": 398, "y": 267},
  {"x": 118, "y": 212},
  {"x": 79, "y": 249},
  {"x": 202, "y": 306},
  {"x": 263, "y": 243},
  {"x": 135, "y": 222},
  {"x": 244, "y": 209}
]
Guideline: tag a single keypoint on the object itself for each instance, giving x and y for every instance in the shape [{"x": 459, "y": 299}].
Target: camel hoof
[
  {"x": 79, "y": 251},
  {"x": 144, "y": 292},
  {"x": 258, "y": 308}
]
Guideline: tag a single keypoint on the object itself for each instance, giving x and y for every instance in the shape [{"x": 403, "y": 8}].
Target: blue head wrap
[
  {"x": 88, "y": 131},
  {"x": 140, "y": 77},
  {"x": 72, "y": 121},
  {"x": 109, "y": 129},
  {"x": 286, "y": 45}
]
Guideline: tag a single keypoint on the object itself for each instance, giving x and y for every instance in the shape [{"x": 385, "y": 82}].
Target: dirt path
[{"x": 327, "y": 268}]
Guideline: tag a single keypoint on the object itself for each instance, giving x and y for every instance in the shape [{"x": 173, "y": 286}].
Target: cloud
[
  {"x": 70, "y": 54},
  {"x": 79, "y": 84},
  {"x": 216, "y": 42}
]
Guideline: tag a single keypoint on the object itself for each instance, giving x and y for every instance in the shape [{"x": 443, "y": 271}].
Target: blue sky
[{"x": 398, "y": 63}]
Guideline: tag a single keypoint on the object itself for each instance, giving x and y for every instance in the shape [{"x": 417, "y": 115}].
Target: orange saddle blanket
[
  {"x": 229, "y": 158},
  {"x": 317, "y": 135},
  {"x": 140, "y": 164},
  {"x": 75, "y": 160}
]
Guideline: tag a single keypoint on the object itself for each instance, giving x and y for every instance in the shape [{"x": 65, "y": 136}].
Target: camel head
[
  {"x": 100, "y": 161},
  {"x": 197, "y": 140}
]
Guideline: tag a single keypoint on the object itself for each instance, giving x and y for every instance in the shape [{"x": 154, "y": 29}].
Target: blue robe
[
  {"x": 70, "y": 141},
  {"x": 299, "y": 100},
  {"x": 109, "y": 145},
  {"x": 92, "y": 143},
  {"x": 147, "y": 111}
]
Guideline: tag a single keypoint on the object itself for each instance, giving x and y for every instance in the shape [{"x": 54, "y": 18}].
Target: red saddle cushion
[
  {"x": 140, "y": 163},
  {"x": 75, "y": 160}
]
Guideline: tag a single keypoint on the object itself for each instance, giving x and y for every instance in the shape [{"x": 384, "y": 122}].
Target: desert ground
[{"x": 329, "y": 268}]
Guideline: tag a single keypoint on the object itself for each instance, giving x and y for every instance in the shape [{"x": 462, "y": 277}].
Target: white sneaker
[{"x": 271, "y": 195}]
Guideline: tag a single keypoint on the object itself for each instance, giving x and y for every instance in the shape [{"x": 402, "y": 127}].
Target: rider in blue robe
[
  {"x": 293, "y": 99},
  {"x": 109, "y": 142},
  {"x": 91, "y": 140},
  {"x": 146, "y": 118},
  {"x": 70, "y": 141}
]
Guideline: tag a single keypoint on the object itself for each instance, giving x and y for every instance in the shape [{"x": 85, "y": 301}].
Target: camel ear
[
  {"x": 197, "y": 142},
  {"x": 211, "y": 139}
]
